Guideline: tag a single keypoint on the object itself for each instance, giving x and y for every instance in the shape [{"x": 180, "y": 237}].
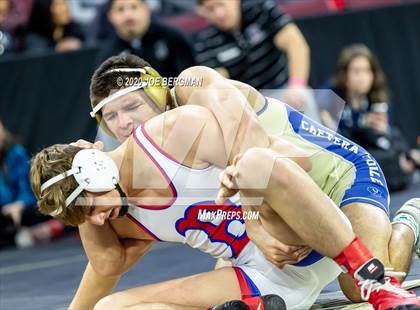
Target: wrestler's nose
[{"x": 125, "y": 121}]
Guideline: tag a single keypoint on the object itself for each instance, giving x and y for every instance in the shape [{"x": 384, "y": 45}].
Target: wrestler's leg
[
  {"x": 392, "y": 244},
  {"x": 401, "y": 247},
  {"x": 159, "y": 306},
  {"x": 198, "y": 291},
  {"x": 294, "y": 196},
  {"x": 313, "y": 217}
]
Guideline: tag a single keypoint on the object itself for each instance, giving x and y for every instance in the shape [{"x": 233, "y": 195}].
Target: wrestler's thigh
[
  {"x": 202, "y": 290},
  {"x": 277, "y": 227}
]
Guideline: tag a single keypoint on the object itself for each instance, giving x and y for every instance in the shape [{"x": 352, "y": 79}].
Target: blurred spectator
[
  {"x": 17, "y": 202},
  {"x": 84, "y": 13},
  {"x": 254, "y": 42},
  {"x": 366, "y": 119},
  {"x": 6, "y": 40},
  {"x": 15, "y": 192},
  {"x": 14, "y": 16},
  {"x": 19, "y": 13},
  {"x": 51, "y": 28},
  {"x": 137, "y": 32},
  {"x": 20, "y": 222}
]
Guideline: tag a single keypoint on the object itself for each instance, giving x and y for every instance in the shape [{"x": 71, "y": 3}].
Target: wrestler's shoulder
[
  {"x": 187, "y": 114},
  {"x": 187, "y": 111}
]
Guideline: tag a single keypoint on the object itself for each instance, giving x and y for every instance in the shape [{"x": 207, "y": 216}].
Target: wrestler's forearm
[
  {"x": 102, "y": 247},
  {"x": 91, "y": 289}
]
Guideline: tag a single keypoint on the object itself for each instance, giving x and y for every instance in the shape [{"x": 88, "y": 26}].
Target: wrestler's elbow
[
  {"x": 196, "y": 77},
  {"x": 203, "y": 75},
  {"x": 107, "y": 267},
  {"x": 108, "y": 270}
]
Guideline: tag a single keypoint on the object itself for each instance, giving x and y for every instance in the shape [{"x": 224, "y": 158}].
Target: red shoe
[{"x": 383, "y": 292}]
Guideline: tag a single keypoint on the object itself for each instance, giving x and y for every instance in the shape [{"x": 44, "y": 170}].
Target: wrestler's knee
[
  {"x": 267, "y": 169},
  {"x": 109, "y": 302}
]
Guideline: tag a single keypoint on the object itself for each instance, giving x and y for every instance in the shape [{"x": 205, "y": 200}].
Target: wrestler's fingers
[
  {"x": 288, "y": 249},
  {"x": 84, "y": 144},
  {"x": 226, "y": 180},
  {"x": 302, "y": 251},
  {"x": 281, "y": 257},
  {"x": 99, "y": 145},
  {"x": 232, "y": 171},
  {"x": 304, "y": 255},
  {"x": 223, "y": 195},
  {"x": 237, "y": 158}
]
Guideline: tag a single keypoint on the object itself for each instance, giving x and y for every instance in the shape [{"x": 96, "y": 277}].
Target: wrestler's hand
[
  {"x": 99, "y": 145},
  {"x": 275, "y": 251},
  {"x": 228, "y": 186}
]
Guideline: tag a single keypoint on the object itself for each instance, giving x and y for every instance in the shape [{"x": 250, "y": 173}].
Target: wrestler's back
[{"x": 167, "y": 197}]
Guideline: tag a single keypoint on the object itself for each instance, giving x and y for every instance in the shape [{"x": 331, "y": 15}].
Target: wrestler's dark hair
[
  {"x": 103, "y": 83},
  {"x": 379, "y": 90}
]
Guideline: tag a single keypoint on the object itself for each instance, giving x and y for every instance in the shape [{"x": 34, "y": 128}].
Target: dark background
[{"x": 45, "y": 100}]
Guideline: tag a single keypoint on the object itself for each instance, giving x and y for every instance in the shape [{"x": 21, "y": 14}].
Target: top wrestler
[
  {"x": 194, "y": 156},
  {"x": 353, "y": 181}
]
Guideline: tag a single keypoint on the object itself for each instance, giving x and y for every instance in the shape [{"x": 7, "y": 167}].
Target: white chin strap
[
  {"x": 120, "y": 92},
  {"x": 93, "y": 170}
]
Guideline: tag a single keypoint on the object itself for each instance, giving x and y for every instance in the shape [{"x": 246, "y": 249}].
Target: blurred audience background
[
  {"x": 51, "y": 27},
  {"x": 50, "y": 48},
  {"x": 136, "y": 31},
  {"x": 20, "y": 222},
  {"x": 367, "y": 117}
]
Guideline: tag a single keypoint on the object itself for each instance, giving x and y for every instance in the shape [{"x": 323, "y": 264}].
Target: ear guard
[
  {"x": 151, "y": 83},
  {"x": 93, "y": 170},
  {"x": 158, "y": 92}
]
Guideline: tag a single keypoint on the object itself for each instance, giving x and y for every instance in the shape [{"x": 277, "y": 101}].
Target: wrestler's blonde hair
[{"x": 48, "y": 163}]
